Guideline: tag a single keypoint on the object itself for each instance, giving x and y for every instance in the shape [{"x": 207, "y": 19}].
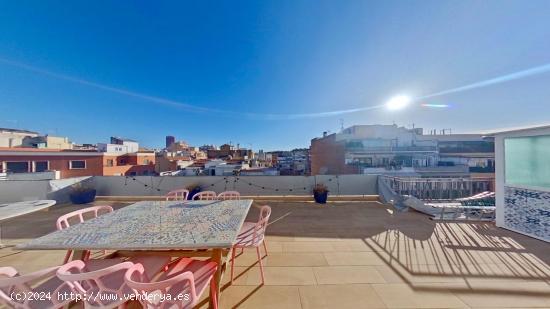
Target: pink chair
[
  {"x": 186, "y": 277},
  {"x": 252, "y": 235},
  {"x": 177, "y": 195},
  {"x": 63, "y": 222},
  {"x": 229, "y": 195},
  {"x": 205, "y": 196},
  {"x": 40, "y": 282},
  {"x": 102, "y": 281}
]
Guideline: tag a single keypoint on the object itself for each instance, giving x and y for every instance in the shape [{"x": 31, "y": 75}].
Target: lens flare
[{"x": 435, "y": 105}]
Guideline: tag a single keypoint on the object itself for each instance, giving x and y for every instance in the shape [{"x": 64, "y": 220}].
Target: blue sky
[{"x": 111, "y": 65}]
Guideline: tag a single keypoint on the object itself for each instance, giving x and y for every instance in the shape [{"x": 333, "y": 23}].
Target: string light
[{"x": 235, "y": 180}]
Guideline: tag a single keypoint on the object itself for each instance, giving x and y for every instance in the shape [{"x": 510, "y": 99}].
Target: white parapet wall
[
  {"x": 246, "y": 185},
  {"x": 33, "y": 176},
  {"x": 25, "y": 190},
  {"x": 29, "y": 190}
]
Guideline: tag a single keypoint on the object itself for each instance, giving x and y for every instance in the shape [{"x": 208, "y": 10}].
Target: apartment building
[
  {"x": 170, "y": 162},
  {"x": 382, "y": 149},
  {"x": 227, "y": 151},
  {"x": 294, "y": 162},
  {"x": 119, "y": 145},
  {"x": 75, "y": 163},
  {"x": 47, "y": 142},
  {"x": 68, "y": 163},
  {"x": 14, "y": 137},
  {"x": 170, "y": 140}
]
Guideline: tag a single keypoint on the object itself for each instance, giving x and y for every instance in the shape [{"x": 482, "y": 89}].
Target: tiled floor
[{"x": 360, "y": 255}]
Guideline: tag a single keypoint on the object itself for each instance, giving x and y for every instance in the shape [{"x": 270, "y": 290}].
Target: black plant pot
[
  {"x": 193, "y": 192},
  {"x": 83, "y": 197},
  {"x": 320, "y": 197}
]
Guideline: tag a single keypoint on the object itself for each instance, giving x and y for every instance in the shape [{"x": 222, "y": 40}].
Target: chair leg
[
  {"x": 213, "y": 291},
  {"x": 265, "y": 248},
  {"x": 233, "y": 263},
  {"x": 67, "y": 256},
  {"x": 261, "y": 265},
  {"x": 87, "y": 255}
]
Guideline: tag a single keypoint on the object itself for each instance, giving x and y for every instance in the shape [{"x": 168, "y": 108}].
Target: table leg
[
  {"x": 78, "y": 255},
  {"x": 217, "y": 257}
]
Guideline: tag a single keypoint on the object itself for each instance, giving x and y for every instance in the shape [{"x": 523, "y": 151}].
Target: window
[
  {"x": 77, "y": 164},
  {"x": 41, "y": 166},
  {"x": 526, "y": 161},
  {"x": 109, "y": 162},
  {"x": 17, "y": 167},
  {"x": 146, "y": 162}
]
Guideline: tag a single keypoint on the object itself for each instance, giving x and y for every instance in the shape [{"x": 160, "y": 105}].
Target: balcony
[
  {"x": 353, "y": 253},
  {"x": 482, "y": 169},
  {"x": 391, "y": 149}
]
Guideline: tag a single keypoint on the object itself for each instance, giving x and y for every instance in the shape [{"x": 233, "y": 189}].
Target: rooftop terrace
[{"x": 357, "y": 255}]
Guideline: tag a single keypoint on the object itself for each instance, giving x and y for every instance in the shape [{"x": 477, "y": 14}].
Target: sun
[{"x": 398, "y": 102}]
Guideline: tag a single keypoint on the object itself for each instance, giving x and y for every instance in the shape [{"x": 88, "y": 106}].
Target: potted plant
[
  {"x": 81, "y": 194},
  {"x": 320, "y": 193},
  {"x": 193, "y": 189}
]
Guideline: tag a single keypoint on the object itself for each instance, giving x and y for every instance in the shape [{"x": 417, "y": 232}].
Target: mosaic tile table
[{"x": 150, "y": 227}]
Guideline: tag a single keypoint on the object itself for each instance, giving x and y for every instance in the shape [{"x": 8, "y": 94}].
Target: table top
[
  {"x": 12, "y": 210},
  {"x": 153, "y": 225}
]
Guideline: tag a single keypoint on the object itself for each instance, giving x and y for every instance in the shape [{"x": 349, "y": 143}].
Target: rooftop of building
[
  {"x": 124, "y": 139},
  {"x": 18, "y": 131},
  {"x": 517, "y": 129},
  {"x": 46, "y": 150},
  {"x": 355, "y": 255}
]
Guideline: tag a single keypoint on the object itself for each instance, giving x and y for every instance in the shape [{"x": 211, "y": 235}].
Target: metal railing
[{"x": 437, "y": 188}]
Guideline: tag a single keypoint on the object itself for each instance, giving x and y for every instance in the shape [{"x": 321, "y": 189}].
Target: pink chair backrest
[
  {"x": 261, "y": 225},
  {"x": 229, "y": 195},
  {"x": 12, "y": 282},
  {"x": 135, "y": 278},
  {"x": 63, "y": 221},
  {"x": 106, "y": 281},
  {"x": 205, "y": 196},
  {"x": 177, "y": 195},
  {"x": 256, "y": 234}
]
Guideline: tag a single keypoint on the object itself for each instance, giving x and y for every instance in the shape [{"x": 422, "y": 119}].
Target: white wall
[
  {"x": 34, "y": 176},
  {"x": 23, "y": 190},
  {"x": 26, "y": 190},
  {"x": 246, "y": 185},
  {"x": 16, "y": 191},
  {"x": 127, "y": 147}
]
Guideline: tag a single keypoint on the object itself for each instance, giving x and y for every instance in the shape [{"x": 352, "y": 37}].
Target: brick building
[
  {"x": 381, "y": 149},
  {"x": 75, "y": 163},
  {"x": 328, "y": 156}
]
